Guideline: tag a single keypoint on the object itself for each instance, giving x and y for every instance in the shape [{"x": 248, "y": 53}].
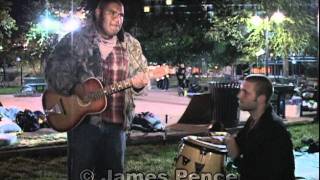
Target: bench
[{"x": 38, "y": 83}]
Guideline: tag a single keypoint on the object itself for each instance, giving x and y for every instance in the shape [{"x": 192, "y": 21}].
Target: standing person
[
  {"x": 181, "y": 76},
  {"x": 262, "y": 149},
  {"x": 165, "y": 83},
  {"x": 102, "y": 50},
  {"x": 159, "y": 82}
]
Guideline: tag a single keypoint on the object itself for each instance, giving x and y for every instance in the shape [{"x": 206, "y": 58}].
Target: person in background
[
  {"x": 165, "y": 81},
  {"x": 263, "y": 148},
  {"x": 181, "y": 76}
]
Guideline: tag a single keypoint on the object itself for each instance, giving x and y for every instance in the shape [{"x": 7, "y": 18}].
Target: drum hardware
[
  {"x": 199, "y": 167},
  {"x": 203, "y": 151},
  {"x": 185, "y": 160}
]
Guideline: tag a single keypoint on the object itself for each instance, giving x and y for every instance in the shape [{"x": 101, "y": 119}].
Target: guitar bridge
[{"x": 57, "y": 108}]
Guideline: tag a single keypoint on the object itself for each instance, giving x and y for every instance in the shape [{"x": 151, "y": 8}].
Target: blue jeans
[{"x": 93, "y": 150}]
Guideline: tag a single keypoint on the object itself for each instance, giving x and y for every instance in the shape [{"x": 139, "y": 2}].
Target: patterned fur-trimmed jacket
[{"x": 77, "y": 57}]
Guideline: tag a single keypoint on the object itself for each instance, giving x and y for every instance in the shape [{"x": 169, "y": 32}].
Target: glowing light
[
  {"x": 294, "y": 61},
  {"x": 146, "y": 9},
  {"x": 260, "y": 52},
  {"x": 278, "y": 17},
  {"x": 168, "y": 2},
  {"x": 50, "y": 24},
  {"x": 256, "y": 20},
  {"x": 71, "y": 24}
]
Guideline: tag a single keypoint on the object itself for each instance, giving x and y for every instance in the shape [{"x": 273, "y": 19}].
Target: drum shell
[{"x": 213, "y": 160}]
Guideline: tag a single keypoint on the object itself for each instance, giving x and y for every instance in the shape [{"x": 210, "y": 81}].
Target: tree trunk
[
  {"x": 285, "y": 65},
  {"x": 4, "y": 76}
]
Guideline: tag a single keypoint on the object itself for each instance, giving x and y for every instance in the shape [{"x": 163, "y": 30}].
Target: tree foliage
[
  {"x": 33, "y": 41},
  {"x": 39, "y": 44},
  {"x": 7, "y": 25},
  {"x": 181, "y": 38},
  {"x": 169, "y": 41},
  {"x": 296, "y": 35},
  {"x": 228, "y": 35}
]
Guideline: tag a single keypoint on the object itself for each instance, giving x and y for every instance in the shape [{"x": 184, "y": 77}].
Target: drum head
[{"x": 199, "y": 143}]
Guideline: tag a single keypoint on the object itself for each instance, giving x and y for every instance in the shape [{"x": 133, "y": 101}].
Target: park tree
[
  {"x": 39, "y": 44},
  {"x": 39, "y": 29},
  {"x": 283, "y": 39},
  {"x": 172, "y": 42},
  {"x": 7, "y": 27},
  {"x": 298, "y": 34},
  {"x": 228, "y": 35},
  {"x": 173, "y": 35},
  {"x": 232, "y": 31},
  {"x": 176, "y": 37},
  {"x": 7, "y": 24}
]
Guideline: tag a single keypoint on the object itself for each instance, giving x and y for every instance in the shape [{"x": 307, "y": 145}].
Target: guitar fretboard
[
  {"x": 108, "y": 90},
  {"x": 122, "y": 85},
  {"x": 116, "y": 87}
]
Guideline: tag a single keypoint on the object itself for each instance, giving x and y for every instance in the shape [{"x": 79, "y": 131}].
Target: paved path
[{"x": 160, "y": 103}]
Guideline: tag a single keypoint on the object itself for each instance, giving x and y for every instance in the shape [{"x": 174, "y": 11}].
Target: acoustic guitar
[{"x": 65, "y": 112}]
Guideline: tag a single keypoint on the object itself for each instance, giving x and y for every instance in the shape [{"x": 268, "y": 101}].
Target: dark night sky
[{"x": 21, "y": 9}]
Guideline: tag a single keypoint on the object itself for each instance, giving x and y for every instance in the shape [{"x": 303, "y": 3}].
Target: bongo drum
[{"x": 198, "y": 155}]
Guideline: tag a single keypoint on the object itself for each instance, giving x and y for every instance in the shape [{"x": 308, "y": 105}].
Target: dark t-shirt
[
  {"x": 266, "y": 150},
  {"x": 181, "y": 73}
]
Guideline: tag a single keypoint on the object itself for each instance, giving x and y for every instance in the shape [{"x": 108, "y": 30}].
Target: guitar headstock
[{"x": 158, "y": 72}]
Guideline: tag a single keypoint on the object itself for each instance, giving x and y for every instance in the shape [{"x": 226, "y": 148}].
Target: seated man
[{"x": 262, "y": 149}]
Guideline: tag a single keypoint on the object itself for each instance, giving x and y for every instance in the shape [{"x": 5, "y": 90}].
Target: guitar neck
[
  {"x": 116, "y": 87},
  {"x": 122, "y": 85},
  {"x": 125, "y": 84}
]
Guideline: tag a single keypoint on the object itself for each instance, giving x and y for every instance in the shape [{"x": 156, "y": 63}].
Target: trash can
[
  {"x": 225, "y": 106},
  {"x": 280, "y": 95}
]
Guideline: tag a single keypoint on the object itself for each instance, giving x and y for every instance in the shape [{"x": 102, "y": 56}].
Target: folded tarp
[
  {"x": 8, "y": 126},
  {"x": 306, "y": 165},
  {"x": 9, "y": 113}
]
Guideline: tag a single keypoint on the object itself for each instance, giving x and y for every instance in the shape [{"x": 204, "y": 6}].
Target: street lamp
[
  {"x": 168, "y": 2},
  {"x": 273, "y": 66},
  {"x": 293, "y": 62},
  {"x": 259, "y": 53},
  {"x": 277, "y": 17},
  {"x": 146, "y": 9},
  {"x": 18, "y": 59}
]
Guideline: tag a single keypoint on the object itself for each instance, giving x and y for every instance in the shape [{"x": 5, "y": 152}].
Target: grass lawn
[
  {"x": 142, "y": 158},
  {"x": 301, "y": 132},
  {"x": 9, "y": 90}
]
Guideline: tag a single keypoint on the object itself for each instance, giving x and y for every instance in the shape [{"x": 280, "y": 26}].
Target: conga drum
[{"x": 199, "y": 156}]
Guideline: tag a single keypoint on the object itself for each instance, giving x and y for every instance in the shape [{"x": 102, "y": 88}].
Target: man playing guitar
[{"x": 101, "y": 51}]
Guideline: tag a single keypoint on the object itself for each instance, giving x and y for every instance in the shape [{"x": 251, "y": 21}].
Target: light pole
[
  {"x": 259, "y": 53},
  {"x": 267, "y": 47},
  {"x": 293, "y": 62},
  {"x": 18, "y": 59},
  {"x": 273, "y": 66}
]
